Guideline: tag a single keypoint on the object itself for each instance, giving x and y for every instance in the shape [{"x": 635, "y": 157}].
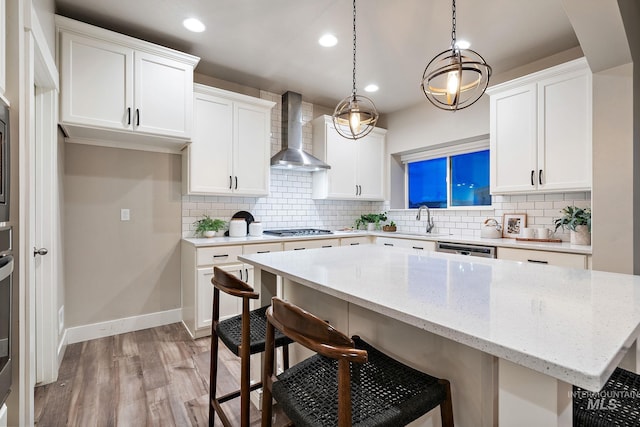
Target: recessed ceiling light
[
  {"x": 193, "y": 24},
  {"x": 463, "y": 44},
  {"x": 328, "y": 40},
  {"x": 371, "y": 88}
]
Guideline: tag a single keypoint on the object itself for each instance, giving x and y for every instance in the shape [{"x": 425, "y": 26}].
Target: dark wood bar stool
[
  {"x": 617, "y": 404},
  {"x": 244, "y": 335},
  {"x": 348, "y": 382}
]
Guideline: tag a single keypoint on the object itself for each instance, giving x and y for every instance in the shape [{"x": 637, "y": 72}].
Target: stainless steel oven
[{"x": 6, "y": 284}]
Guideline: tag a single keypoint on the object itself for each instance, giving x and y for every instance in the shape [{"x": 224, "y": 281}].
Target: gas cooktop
[{"x": 298, "y": 232}]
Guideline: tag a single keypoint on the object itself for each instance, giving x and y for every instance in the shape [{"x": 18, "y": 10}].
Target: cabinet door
[
  {"x": 513, "y": 140},
  {"x": 252, "y": 148},
  {"x": 163, "y": 96},
  {"x": 229, "y": 305},
  {"x": 370, "y": 169},
  {"x": 96, "y": 83},
  {"x": 355, "y": 241},
  {"x": 564, "y": 132},
  {"x": 209, "y": 156},
  {"x": 341, "y": 156}
]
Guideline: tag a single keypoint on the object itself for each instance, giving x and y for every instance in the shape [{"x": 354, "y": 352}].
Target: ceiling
[{"x": 272, "y": 45}]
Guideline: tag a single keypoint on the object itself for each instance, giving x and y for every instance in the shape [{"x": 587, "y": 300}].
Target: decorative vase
[
  {"x": 209, "y": 233},
  {"x": 371, "y": 226},
  {"x": 581, "y": 235}
]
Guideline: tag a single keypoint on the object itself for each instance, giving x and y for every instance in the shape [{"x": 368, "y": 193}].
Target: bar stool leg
[{"x": 446, "y": 407}]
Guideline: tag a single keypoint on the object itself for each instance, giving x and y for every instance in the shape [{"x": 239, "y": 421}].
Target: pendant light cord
[
  {"x": 453, "y": 25},
  {"x": 354, "y": 49}
]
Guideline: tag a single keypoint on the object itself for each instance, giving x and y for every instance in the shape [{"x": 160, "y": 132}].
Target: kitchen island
[{"x": 511, "y": 337}]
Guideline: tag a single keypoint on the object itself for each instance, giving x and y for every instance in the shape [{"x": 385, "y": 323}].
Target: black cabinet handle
[
  {"x": 240, "y": 271},
  {"x": 221, "y": 256},
  {"x": 388, "y": 244},
  {"x": 418, "y": 247},
  {"x": 356, "y": 189},
  {"x": 137, "y": 117},
  {"x": 532, "y": 175},
  {"x": 236, "y": 183},
  {"x": 264, "y": 252},
  {"x": 230, "y": 182},
  {"x": 299, "y": 249},
  {"x": 354, "y": 244},
  {"x": 536, "y": 261},
  {"x": 129, "y": 115},
  {"x": 327, "y": 246},
  {"x": 540, "y": 177}
]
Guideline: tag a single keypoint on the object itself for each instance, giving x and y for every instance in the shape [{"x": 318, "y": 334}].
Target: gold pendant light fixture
[
  {"x": 456, "y": 78},
  {"x": 356, "y": 115}
]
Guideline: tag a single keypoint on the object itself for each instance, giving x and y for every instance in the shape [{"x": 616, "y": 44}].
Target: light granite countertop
[
  {"x": 504, "y": 243},
  {"x": 574, "y": 325}
]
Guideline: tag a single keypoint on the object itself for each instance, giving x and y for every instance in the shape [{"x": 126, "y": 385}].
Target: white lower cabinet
[
  {"x": 420, "y": 245},
  {"x": 197, "y": 290},
  {"x": 560, "y": 259}
]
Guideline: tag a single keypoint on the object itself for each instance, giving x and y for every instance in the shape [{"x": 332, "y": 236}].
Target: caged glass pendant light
[
  {"x": 456, "y": 78},
  {"x": 356, "y": 115}
]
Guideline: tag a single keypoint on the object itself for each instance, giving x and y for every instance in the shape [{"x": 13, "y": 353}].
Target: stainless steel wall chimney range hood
[{"x": 292, "y": 156}]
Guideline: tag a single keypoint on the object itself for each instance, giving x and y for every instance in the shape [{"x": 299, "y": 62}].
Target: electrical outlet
[
  {"x": 125, "y": 215},
  {"x": 61, "y": 320}
]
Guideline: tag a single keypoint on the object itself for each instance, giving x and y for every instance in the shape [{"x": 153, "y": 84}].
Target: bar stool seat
[
  {"x": 230, "y": 332},
  {"x": 349, "y": 382},
  {"x": 617, "y": 404}
]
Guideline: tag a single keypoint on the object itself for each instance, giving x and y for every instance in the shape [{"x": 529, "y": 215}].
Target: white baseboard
[{"x": 121, "y": 326}]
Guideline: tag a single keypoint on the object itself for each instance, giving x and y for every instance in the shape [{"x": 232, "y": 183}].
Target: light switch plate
[{"x": 124, "y": 215}]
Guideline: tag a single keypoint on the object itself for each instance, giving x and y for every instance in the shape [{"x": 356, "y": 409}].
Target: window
[{"x": 453, "y": 180}]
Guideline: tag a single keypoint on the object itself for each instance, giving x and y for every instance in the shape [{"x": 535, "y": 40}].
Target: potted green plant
[
  {"x": 208, "y": 227},
  {"x": 389, "y": 227},
  {"x": 578, "y": 222},
  {"x": 371, "y": 220}
]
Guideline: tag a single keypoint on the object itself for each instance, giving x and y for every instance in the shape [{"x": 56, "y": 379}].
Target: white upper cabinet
[
  {"x": 231, "y": 145},
  {"x": 357, "y": 167},
  {"x": 123, "y": 92},
  {"x": 541, "y": 127}
]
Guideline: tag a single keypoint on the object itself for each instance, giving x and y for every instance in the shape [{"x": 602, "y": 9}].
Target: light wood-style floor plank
[{"x": 154, "y": 377}]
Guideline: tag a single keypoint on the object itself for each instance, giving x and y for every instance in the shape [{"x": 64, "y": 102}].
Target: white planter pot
[
  {"x": 581, "y": 236},
  {"x": 209, "y": 233},
  {"x": 371, "y": 226}
]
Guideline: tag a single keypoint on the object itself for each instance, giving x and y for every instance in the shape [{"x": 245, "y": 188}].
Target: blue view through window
[
  {"x": 470, "y": 179},
  {"x": 428, "y": 183}
]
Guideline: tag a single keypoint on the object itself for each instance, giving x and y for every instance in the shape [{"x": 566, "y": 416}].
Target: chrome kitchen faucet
[{"x": 429, "y": 219}]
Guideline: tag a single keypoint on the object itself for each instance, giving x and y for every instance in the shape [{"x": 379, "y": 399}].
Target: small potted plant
[
  {"x": 208, "y": 227},
  {"x": 578, "y": 221},
  {"x": 372, "y": 221},
  {"x": 390, "y": 227}
]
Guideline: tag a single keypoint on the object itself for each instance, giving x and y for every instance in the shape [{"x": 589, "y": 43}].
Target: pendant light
[
  {"x": 455, "y": 78},
  {"x": 355, "y": 116}
]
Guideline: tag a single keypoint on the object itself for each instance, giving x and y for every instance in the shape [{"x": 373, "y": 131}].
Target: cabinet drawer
[
  {"x": 310, "y": 244},
  {"x": 218, "y": 255},
  {"x": 544, "y": 257},
  {"x": 262, "y": 248},
  {"x": 422, "y": 245},
  {"x": 360, "y": 240}
]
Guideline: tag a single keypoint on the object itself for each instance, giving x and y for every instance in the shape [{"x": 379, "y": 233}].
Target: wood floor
[{"x": 153, "y": 377}]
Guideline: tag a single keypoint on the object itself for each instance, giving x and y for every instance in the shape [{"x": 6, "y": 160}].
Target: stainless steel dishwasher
[{"x": 465, "y": 249}]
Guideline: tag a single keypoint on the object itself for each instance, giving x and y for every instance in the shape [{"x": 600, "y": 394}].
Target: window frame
[{"x": 446, "y": 151}]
